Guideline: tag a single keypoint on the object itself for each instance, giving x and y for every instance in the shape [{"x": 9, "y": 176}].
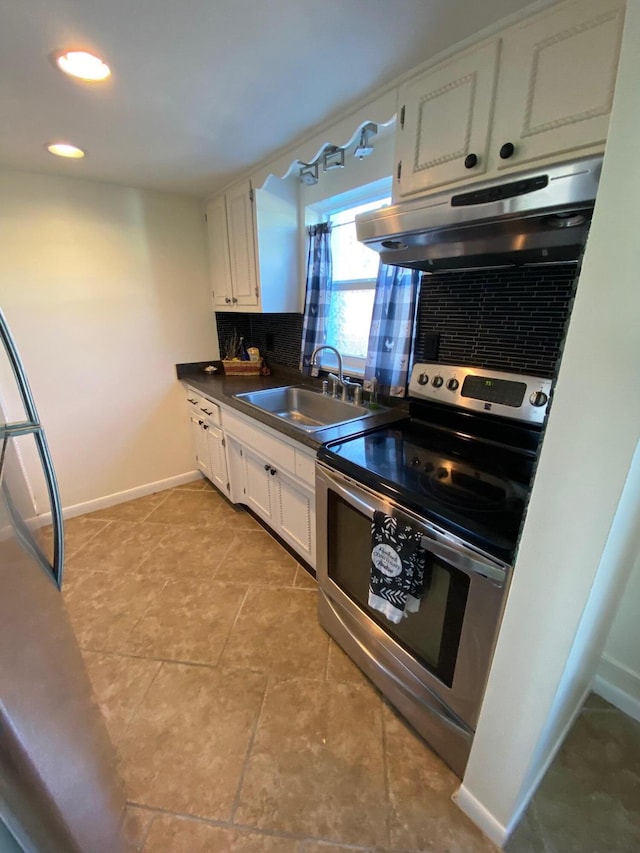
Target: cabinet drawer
[
  {"x": 276, "y": 452},
  {"x": 209, "y": 410},
  {"x": 194, "y": 399},
  {"x": 306, "y": 468}
]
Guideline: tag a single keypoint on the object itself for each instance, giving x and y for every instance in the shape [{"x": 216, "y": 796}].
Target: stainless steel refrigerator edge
[{"x": 59, "y": 787}]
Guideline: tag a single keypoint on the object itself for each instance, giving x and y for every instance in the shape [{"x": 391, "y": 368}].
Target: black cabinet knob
[
  {"x": 267, "y": 467},
  {"x": 227, "y": 300},
  {"x": 507, "y": 150},
  {"x": 470, "y": 161},
  {"x": 273, "y": 472}
]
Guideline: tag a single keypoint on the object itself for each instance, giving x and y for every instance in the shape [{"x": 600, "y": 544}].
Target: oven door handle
[{"x": 464, "y": 560}]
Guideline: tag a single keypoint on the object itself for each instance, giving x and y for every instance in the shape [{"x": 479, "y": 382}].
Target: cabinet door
[
  {"x": 556, "y": 84},
  {"x": 258, "y": 485},
  {"x": 295, "y": 522},
  {"x": 217, "y": 460},
  {"x": 199, "y": 434},
  {"x": 242, "y": 245},
  {"x": 220, "y": 269},
  {"x": 444, "y": 117}
]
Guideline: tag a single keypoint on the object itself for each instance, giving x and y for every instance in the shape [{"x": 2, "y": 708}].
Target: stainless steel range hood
[{"x": 536, "y": 217}]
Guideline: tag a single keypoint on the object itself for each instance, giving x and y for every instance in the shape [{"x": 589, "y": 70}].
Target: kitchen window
[{"x": 355, "y": 269}]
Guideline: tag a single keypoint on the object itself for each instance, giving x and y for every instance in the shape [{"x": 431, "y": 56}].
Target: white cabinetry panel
[
  {"x": 556, "y": 90},
  {"x": 541, "y": 93},
  {"x": 219, "y": 252},
  {"x": 444, "y": 118},
  {"x": 296, "y": 516},
  {"x": 242, "y": 253}
]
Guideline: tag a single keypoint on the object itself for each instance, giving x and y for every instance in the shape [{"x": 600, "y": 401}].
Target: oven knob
[
  {"x": 442, "y": 473},
  {"x": 437, "y": 381},
  {"x": 538, "y": 398},
  {"x": 415, "y": 461},
  {"x": 423, "y": 379},
  {"x": 452, "y": 384}
]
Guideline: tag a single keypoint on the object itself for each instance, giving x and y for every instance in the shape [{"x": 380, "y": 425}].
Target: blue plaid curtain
[
  {"x": 318, "y": 298},
  {"x": 391, "y": 331}
]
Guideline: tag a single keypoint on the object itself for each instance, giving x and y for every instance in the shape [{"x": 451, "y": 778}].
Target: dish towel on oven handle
[{"x": 397, "y": 567}]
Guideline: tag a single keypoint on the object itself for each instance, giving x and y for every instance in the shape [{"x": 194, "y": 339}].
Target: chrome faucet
[
  {"x": 314, "y": 366},
  {"x": 339, "y": 380}
]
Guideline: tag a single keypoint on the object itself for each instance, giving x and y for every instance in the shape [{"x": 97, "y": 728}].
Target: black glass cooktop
[{"x": 476, "y": 488}]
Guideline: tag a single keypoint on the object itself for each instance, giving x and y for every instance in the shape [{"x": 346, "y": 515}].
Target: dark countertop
[{"x": 222, "y": 388}]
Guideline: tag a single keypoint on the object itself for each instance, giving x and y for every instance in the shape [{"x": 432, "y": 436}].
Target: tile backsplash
[
  {"x": 277, "y": 336},
  {"x": 500, "y": 319}
]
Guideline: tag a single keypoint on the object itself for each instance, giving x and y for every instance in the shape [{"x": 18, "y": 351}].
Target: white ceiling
[{"x": 203, "y": 89}]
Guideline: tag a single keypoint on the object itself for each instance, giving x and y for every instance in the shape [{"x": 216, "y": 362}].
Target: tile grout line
[
  {"x": 233, "y": 625},
  {"x": 106, "y": 522},
  {"x": 134, "y": 710},
  {"x": 248, "y": 828},
  {"x": 146, "y": 833},
  {"x": 245, "y": 763},
  {"x": 387, "y": 786}
]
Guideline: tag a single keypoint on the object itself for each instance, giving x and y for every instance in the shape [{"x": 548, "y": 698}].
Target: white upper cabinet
[
  {"x": 556, "y": 89},
  {"x": 219, "y": 252},
  {"x": 540, "y": 93},
  {"x": 254, "y": 232},
  {"x": 444, "y": 119},
  {"x": 242, "y": 247}
]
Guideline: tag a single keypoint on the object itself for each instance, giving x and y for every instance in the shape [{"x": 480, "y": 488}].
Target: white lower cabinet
[
  {"x": 296, "y": 516},
  {"x": 217, "y": 459},
  {"x": 252, "y": 465},
  {"x": 251, "y": 481},
  {"x": 274, "y": 479},
  {"x": 208, "y": 440}
]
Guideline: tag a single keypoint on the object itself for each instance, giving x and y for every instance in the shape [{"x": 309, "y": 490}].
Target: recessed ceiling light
[
  {"x": 63, "y": 149},
  {"x": 81, "y": 64}
]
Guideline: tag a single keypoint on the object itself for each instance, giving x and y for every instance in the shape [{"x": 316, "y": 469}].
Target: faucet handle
[{"x": 315, "y": 371}]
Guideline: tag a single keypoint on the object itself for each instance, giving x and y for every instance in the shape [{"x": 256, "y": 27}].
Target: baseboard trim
[
  {"x": 128, "y": 495},
  {"x": 483, "y": 818},
  {"x": 480, "y": 815},
  {"x": 619, "y": 685}
]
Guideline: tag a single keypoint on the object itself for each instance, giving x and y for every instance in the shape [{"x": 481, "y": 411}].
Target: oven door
[{"x": 433, "y": 665}]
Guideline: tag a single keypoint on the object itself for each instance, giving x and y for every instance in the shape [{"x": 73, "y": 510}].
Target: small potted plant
[{"x": 236, "y": 360}]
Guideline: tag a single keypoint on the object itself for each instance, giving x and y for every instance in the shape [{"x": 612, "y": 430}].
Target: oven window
[{"x": 432, "y": 635}]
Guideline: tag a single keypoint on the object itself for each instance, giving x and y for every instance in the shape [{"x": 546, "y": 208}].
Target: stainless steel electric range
[{"x": 458, "y": 472}]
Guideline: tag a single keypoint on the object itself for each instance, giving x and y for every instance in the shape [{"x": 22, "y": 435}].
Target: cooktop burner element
[{"x": 462, "y": 466}]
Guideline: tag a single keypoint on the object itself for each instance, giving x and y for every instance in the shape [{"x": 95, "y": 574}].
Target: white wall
[
  {"x": 618, "y": 677},
  {"x": 556, "y": 616},
  {"x": 105, "y": 289}
]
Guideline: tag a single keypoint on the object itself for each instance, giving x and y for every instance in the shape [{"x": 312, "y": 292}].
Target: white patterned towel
[{"x": 397, "y": 567}]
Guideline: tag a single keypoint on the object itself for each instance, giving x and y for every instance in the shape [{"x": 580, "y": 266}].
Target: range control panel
[{"x": 511, "y": 395}]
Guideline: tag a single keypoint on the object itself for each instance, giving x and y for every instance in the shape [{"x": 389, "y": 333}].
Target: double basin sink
[{"x": 304, "y": 408}]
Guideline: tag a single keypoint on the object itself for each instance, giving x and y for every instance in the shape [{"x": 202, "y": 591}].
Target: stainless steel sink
[{"x": 303, "y": 407}]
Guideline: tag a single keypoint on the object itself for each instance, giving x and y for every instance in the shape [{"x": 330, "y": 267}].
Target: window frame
[{"x": 322, "y": 212}]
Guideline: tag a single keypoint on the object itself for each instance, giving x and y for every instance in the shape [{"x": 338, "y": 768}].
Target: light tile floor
[{"x": 239, "y": 724}]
